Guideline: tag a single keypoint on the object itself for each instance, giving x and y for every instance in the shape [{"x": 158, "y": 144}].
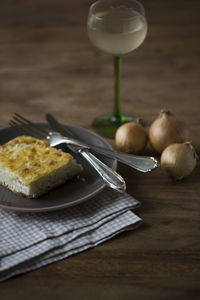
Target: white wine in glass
[{"x": 116, "y": 27}]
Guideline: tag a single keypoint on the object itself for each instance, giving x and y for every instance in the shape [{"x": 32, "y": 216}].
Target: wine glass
[{"x": 116, "y": 27}]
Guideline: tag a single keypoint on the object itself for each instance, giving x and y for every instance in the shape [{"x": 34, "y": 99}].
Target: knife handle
[
  {"x": 140, "y": 163},
  {"x": 111, "y": 178}
]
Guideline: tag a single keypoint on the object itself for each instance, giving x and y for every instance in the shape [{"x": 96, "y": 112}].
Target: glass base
[{"x": 107, "y": 124}]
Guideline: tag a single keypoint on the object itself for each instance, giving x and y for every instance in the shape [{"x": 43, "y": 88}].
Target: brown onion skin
[
  {"x": 166, "y": 130},
  {"x": 179, "y": 160},
  {"x": 131, "y": 137}
]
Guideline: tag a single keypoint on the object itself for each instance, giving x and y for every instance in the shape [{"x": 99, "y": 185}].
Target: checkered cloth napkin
[{"x": 32, "y": 240}]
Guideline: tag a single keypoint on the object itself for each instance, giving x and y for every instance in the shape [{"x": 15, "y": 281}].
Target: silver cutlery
[
  {"x": 110, "y": 177},
  {"x": 141, "y": 163}
]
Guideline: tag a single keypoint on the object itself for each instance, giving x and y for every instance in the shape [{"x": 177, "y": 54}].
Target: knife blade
[
  {"x": 65, "y": 131},
  {"x": 110, "y": 176}
]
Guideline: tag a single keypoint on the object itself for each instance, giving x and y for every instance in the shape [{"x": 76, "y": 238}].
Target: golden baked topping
[{"x": 28, "y": 162}]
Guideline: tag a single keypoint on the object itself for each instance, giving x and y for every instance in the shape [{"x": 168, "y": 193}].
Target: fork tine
[
  {"x": 33, "y": 125},
  {"x": 31, "y": 130},
  {"x": 17, "y": 127},
  {"x": 25, "y": 126},
  {"x": 23, "y": 129}
]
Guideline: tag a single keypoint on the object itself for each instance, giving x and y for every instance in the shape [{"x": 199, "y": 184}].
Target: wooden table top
[{"x": 47, "y": 64}]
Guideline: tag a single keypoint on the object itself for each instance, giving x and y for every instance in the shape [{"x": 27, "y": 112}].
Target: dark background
[{"x": 47, "y": 64}]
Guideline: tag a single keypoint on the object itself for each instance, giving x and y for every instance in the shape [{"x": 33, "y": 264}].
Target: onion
[
  {"x": 166, "y": 130},
  {"x": 131, "y": 137},
  {"x": 179, "y": 160}
]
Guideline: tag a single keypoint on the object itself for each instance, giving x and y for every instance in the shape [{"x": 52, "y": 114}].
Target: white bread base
[{"x": 41, "y": 185}]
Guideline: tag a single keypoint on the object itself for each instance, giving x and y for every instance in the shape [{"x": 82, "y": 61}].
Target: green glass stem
[
  {"x": 107, "y": 124},
  {"x": 117, "y": 116}
]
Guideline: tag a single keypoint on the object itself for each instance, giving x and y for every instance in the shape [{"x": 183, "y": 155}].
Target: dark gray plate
[{"x": 72, "y": 192}]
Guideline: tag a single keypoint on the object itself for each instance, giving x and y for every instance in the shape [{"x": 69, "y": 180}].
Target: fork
[{"x": 26, "y": 127}]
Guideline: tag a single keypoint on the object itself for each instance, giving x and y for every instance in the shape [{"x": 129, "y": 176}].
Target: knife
[
  {"x": 140, "y": 163},
  {"x": 110, "y": 177}
]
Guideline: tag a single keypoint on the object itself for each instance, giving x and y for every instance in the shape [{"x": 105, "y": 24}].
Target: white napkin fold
[{"x": 31, "y": 240}]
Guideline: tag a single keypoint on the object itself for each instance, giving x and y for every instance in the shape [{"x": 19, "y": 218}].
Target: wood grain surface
[{"x": 47, "y": 64}]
